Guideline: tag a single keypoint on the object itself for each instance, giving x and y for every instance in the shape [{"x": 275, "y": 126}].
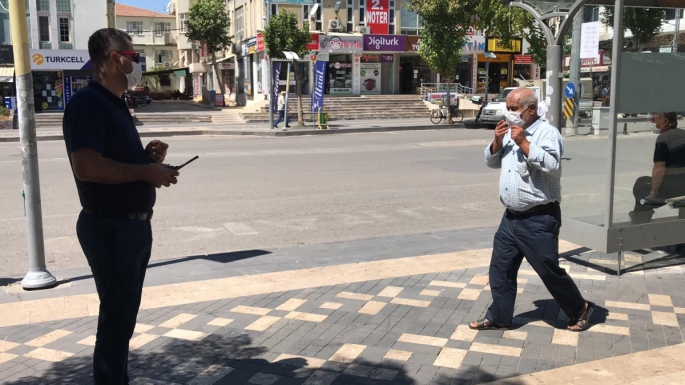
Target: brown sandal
[{"x": 486, "y": 324}]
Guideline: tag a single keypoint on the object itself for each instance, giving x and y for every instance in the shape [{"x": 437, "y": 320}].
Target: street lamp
[{"x": 543, "y": 11}]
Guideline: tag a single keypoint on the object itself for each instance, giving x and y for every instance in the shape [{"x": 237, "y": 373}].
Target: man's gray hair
[{"x": 528, "y": 98}]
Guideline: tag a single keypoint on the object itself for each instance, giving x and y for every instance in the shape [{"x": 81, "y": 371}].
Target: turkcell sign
[{"x": 54, "y": 59}]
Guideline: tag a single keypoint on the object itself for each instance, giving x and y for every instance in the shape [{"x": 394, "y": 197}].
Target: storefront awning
[
  {"x": 6, "y": 74},
  {"x": 165, "y": 72}
]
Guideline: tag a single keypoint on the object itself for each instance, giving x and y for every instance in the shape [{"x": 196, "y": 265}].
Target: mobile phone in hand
[{"x": 183, "y": 165}]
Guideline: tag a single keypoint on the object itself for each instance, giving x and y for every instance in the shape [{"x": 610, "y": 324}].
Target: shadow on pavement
[
  {"x": 231, "y": 357},
  {"x": 548, "y": 311}
]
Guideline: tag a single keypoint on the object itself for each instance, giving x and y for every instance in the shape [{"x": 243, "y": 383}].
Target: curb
[{"x": 272, "y": 133}]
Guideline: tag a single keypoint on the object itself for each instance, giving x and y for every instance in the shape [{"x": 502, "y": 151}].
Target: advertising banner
[
  {"x": 276, "y": 81},
  {"x": 378, "y": 16},
  {"x": 313, "y": 43},
  {"x": 319, "y": 84},
  {"x": 260, "y": 43},
  {"x": 370, "y": 78},
  {"x": 356, "y": 74},
  {"x": 387, "y": 43}
]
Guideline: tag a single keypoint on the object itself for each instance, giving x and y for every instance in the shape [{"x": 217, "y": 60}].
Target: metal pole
[
  {"x": 574, "y": 76},
  {"x": 613, "y": 111},
  {"x": 38, "y": 276},
  {"x": 271, "y": 73},
  {"x": 287, "y": 94},
  {"x": 554, "y": 83},
  {"x": 487, "y": 81},
  {"x": 679, "y": 14}
]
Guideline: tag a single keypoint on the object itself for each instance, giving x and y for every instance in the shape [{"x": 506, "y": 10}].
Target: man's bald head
[{"x": 525, "y": 101}]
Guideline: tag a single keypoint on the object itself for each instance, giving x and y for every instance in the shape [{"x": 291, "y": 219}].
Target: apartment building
[{"x": 155, "y": 35}]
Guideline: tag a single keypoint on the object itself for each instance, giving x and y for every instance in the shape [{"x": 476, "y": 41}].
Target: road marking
[{"x": 239, "y": 228}]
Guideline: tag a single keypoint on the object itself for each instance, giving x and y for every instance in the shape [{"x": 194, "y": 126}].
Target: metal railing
[{"x": 456, "y": 88}]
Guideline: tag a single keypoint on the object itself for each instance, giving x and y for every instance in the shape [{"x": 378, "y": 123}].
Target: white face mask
[
  {"x": 135, "y": 76},
  {"x": 655, "y": 128},
  {"x": 514, "y": 118}
]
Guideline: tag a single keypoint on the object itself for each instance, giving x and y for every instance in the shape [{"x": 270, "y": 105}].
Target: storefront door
[{"x": 47, "y": 90}]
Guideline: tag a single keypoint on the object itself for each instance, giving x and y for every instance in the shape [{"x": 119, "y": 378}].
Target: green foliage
[
  {"x": 4, "y": 111},
  {"x": 284, "y": 34},
  {"x": 208, "y": 23},
  {"x": 643, "y": 23},
  {"x": 152, "y": 81}
]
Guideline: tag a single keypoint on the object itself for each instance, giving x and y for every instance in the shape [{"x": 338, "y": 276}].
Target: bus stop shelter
[{"x": 598, "y": 200}]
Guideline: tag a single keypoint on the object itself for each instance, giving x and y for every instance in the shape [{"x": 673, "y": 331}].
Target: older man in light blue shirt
[{"x": 528, "y": 151}]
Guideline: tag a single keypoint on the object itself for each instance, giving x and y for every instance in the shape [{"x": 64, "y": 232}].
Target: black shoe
[{"x": 287, "y": 126}]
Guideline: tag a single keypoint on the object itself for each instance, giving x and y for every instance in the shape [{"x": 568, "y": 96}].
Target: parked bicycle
[{"x": 438, "y": 114}]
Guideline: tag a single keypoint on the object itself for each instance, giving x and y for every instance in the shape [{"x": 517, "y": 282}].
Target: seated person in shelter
[{"x": 668, "y": 174}]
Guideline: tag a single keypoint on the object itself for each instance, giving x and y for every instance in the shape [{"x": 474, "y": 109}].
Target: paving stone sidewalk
[{"x": 401, "y": 330}]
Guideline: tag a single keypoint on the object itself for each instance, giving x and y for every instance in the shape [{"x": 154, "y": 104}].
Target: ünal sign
[{"x": 378, "y": 16}]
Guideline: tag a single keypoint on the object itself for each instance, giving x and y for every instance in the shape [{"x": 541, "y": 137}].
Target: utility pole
[
  {"x": 272, "y": 96},
  {"x": 38, "y": 276},
  {"x": 678, "y": 16},
  {"x": 574, "y": 77}
]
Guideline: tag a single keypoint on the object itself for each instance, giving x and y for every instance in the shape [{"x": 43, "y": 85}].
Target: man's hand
[
  {"x": 518, "y": 135},
  {"x": 500, "y": 131},
  {"x": 157, "y": 150},
  {"x": 158, "y": 175}
]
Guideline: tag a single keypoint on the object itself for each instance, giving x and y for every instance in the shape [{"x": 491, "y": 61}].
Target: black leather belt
[
  {"x": 534, "y": 209},
  {"x": 131, "y": 215}
]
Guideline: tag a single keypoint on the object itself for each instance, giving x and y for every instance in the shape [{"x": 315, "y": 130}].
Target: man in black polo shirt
[
  {"x": 116, "y": 179},
  {"x": 668, "y": 173}
]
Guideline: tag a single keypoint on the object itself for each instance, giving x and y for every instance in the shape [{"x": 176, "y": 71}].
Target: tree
[
  {"x": 643, "y": 23},
  {"x": 283, "y": 33},
  {"x": 152, "y": 81},
  {"x": 445, "y": 27},
  {"x": 209, "y": 24}
]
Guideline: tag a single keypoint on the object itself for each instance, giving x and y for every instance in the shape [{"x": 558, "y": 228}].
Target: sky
[{"x": 153, "y": 5}]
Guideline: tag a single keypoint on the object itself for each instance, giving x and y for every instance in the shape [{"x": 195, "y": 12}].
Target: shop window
[
  {"x": 164, "y": 81},
  {"x": 410, "y": 22},
  {"x": 239, "y": 24},
  {"x": 391, "y": 22},
  {"x": 339, "y": 79},
  {"x": 64, "y": 6},
  {"x": 319, "y": 26},
  {"x": 64, "y": 35},
  {"x": 44, "y": 28},
  {"x": 43, "y": 5}
]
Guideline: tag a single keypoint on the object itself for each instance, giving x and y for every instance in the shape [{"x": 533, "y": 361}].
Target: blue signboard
[
  {"x": 319, "y": 83},
  {"x": 570, "y": 90},
  {"x": 299, "y": 2}
]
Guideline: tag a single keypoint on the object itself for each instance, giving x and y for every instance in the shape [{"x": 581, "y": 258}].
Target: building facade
[{"x": 58, "y": 38}]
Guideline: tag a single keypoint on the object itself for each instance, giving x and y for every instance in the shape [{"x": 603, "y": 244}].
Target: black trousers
[
  {"x": 536, "y": 237},
  {"x": 118, "y": 251},
  {"x": 672, "y": 186}
]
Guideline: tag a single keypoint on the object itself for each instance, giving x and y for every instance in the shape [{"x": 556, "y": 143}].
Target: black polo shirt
[{"x": 97, "y": 119}]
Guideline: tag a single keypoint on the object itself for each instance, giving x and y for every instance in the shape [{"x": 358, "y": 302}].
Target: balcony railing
[
  {"x": 45, "y": 45},
  {"x": 66, "y": 46}
]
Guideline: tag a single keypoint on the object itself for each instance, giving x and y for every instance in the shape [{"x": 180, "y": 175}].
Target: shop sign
[
  {"x": 6, "y": 54},
  {"x": 371, "y": 58},
  {"x": 356, "y": 74},
  {"x": 413, "y": 44},
  {"x": 341, "y": 44},
  {"x": 227, "y": 66},
  {"x": 523, "y": 59},
  {"x": 387, "y": 43},
  {"x": 313, "y": 43},
  {"x": 219, "y": 100},
  {"x": 179, "y": 74},
  {"x": 536, "y": 76},
  {"x": 322, "y": 57},
  {"x": 495, "y": 45},
  {"x": 433, "y": 97},
  {"x": 197, "y": 84},
  {"x": 387, "y": 58},
  {"x": 260, "y": 42},
  {"x": 56, "y": 59},
  {"x": 474, "y": 44},
  {"x": 340, "y": 91},
  {"x": 338, "y": 65},
  {"x": 378, "y": 16}
]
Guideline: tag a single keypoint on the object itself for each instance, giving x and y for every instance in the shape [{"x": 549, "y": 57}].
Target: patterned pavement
[{"x": 411, "y": 329}]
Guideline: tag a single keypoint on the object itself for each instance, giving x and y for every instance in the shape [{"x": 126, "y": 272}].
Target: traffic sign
[{"x": 570, "y": 90}]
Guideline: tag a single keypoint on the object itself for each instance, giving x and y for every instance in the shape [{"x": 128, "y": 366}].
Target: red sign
[
  {"x": 523, "y": 59},
  {"x": 314, "y": 43},
  {"x": 378, "y": 16},
  {"x": 260, "y": 42}
]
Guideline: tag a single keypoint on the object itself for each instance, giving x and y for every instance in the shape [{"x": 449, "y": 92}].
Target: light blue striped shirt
[{"x": 526, "y": 182}]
